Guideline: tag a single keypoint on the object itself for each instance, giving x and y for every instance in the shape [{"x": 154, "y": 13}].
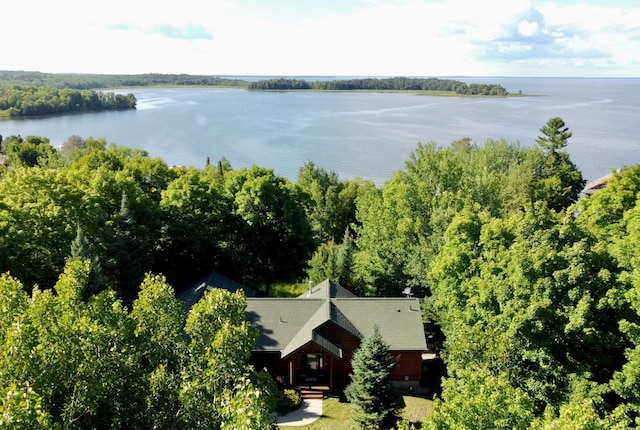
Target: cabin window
[{"x": 312, "y": 363}]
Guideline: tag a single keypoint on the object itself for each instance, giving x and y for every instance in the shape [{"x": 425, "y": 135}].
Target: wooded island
[
  {"x": 383, "y": 84},
  {"x": 35, "y": 93}
]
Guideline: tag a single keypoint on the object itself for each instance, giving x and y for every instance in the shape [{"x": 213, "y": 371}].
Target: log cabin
[{"x": 309, "y": 341}]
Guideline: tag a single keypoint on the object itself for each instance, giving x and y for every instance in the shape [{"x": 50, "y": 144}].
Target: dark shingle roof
[
  {"x": 194, "y": 292},
  {"x": 326, "y": 289},
  {"x": 286, "y": 325}
]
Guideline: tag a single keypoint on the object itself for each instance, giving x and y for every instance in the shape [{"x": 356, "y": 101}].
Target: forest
[
  {"x": 24, "y": 93},
  {"x": 21, "y": 100},
  {"x": 382, "y": 84},
  {"x": 81, "y": 81},
  {"x": 530, "y": 292},
  {"x": 92, "y": 81}
]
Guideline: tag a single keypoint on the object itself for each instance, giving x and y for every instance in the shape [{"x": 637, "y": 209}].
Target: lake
[{"x": 368, "y": 135}]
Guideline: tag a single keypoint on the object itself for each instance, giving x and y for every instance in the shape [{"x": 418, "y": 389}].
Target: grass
[
  {"x": 337, "y": 415},
  {"x": 416, "y": 409},
  {"x": 284, "y": 289}
]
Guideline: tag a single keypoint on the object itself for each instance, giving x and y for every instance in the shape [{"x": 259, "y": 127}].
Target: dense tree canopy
[
  {"x": 95, "y": 364},
  {"x": 139, "y": 215},
  {"x": 390, "y": 84},
  {"x": 535, "y": 290},
  {"x": 41, "y": 100},
  {"x": 401, "y": 227},
  {"x": 548, "y": 302},
  {"x": 271, "y": 229},
  {"x": 81, "y": 81}
]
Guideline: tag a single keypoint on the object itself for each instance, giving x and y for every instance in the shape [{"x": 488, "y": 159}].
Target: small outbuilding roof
[{"x": 194, "y": 292}]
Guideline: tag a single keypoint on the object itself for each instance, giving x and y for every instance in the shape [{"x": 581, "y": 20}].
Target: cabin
[{"x": 309, "y": 341}]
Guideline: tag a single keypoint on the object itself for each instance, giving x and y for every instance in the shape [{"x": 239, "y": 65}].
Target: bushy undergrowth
[{"x": 288, "y": 400}]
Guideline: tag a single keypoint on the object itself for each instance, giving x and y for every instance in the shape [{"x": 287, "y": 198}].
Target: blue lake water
[{"x": 368, "y": 135}]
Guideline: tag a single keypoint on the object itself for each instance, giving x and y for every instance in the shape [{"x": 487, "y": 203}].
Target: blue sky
[{"x": 583, "y": 38}]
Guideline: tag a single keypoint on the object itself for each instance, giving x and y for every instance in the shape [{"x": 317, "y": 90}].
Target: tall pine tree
[{"x": 374, "y": 402}]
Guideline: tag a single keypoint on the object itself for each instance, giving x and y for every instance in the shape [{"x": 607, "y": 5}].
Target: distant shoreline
[{"x": 431, "y": 93}]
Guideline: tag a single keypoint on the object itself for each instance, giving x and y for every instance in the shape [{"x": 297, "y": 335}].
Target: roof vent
[{"x": 310, "y": 288}]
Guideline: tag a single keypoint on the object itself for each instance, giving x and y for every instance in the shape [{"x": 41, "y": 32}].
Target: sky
[{"x": 574, "y": 38}]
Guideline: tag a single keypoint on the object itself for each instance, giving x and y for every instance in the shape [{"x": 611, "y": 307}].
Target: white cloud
[
  {"x": 348, "y": 37},
  {"x": 527, "y": 28}
]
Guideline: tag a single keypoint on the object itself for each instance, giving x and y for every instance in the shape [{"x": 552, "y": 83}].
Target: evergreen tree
[
  {"x": 374, "y": 402},
  {"x": 80, "y": 250},
  {"x": 555, "y": 135},
  {"x": 323, "y": 264},
  {"x": 345, "y": 262},
  {"x": 130, "y": 253},
  {"x": 79, "y": 246},
  {"x": 559, "y": 180}
]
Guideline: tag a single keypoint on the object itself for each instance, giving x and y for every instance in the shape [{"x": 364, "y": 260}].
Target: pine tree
[
  {"x": 79, "y": 246},
  {"x": 559, "y": 180},
  {"x": 374, "y": 402},
  {"x": 80, "y": 250},
  {"x": 345, "y": 262},
  {"x": 555, "y": 135},
  {"x": 130, "y": 255}
]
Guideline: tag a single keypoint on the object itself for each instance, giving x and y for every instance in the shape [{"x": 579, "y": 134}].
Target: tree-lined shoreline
[
  {"x": 528, "y": 291},
  {"x": 36, "y": 94}
]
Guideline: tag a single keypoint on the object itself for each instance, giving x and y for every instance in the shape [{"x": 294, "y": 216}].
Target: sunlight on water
[{"x": 368, "y": 135}]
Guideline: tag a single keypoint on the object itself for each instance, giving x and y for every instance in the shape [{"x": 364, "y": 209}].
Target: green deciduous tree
[
  {"x": 31, "y": 151},
  {"x": 582, "y": 415},
  {"x": 158, "y": 321},
  {"x": 271, "y": 233},
  {"x": 76, "y": 355},
  {"x": 403, "y": 225},
  {"x": 21, "y": 408},
  {"x": 476, "y": 400},
  {"x": 39, "y": 210},
  {"x": 218, "y": 375},
  {"x": 374, "y": 403},
  {"x": 533, "y": 296},
  {"x": 332, "y": 206},
  {"x": 196, "y": 220},
  {"x": 82, "y": 362}
]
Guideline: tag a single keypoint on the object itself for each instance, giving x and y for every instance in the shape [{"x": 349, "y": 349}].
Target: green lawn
[
  {"x": 283, "y": 289},
  {"x": 337, "y": 415}
]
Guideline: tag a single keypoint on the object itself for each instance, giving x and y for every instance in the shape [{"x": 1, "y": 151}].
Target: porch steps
[{"x": 307, "y": 392}]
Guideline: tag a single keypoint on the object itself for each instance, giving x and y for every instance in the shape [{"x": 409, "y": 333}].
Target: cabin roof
[
  {"x": 325, "y": 289},
  {"x": 287, "y": 324}
]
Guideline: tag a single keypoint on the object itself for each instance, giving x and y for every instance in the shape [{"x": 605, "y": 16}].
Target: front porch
[{"x": 311, "y": 370}]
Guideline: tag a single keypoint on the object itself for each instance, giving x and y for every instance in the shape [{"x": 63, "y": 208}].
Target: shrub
[{"x": 288, "y": 400}]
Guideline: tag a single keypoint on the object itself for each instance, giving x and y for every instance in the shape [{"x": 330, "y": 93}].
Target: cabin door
[{"x": 314, "y": 369}]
